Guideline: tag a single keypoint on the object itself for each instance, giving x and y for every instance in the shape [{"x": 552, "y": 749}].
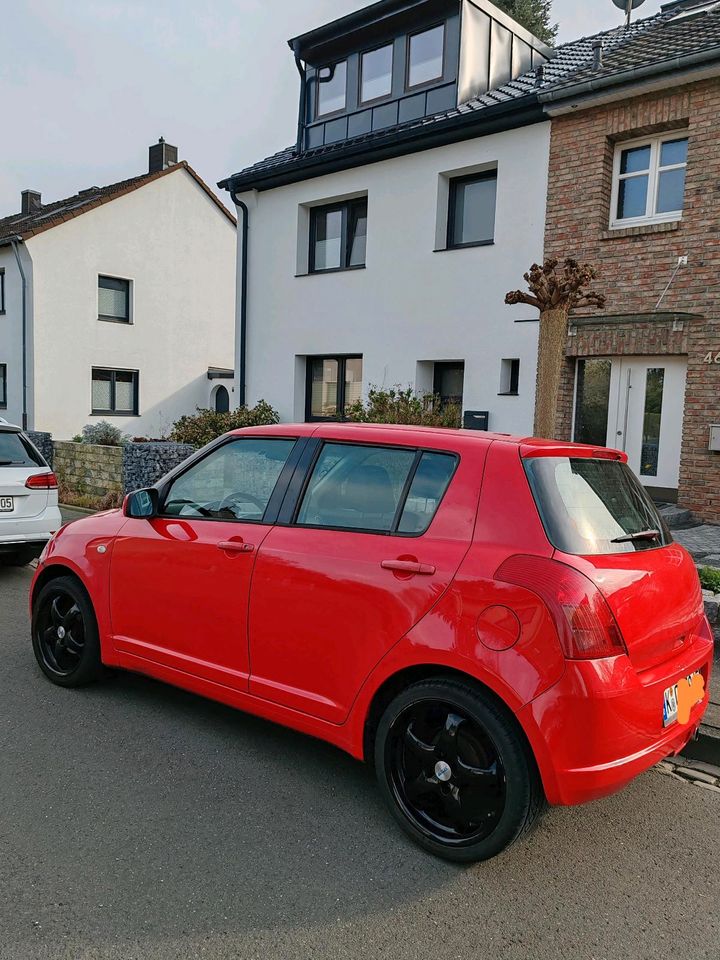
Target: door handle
[
  {"x": 408, "y": 566},
  {"x": 235, "y": 546}
]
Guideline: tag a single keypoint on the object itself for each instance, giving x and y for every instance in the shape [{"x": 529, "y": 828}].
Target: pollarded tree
[{"x": 555, "y": 293}]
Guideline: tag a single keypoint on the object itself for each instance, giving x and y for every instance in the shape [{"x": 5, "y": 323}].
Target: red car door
[
  {"x": 374, "y": 543},
  {"x": 180, "y": 582}
]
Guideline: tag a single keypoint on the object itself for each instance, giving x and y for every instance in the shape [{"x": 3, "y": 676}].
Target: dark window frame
[
  {"x": 393, "y": 532},
  {"x": 456, "y": 182},
  {"x": 3, "y": 386},
  {"x": 443, "y": 74},
  {"x": 112, "y": 412},
  {"x": 341, "y": 359},
  {"x": 2, "y": 289},
  {"x": 348, "y": 209},
  {"x": 127, "y": 319},
  {"x": 318, "y": 83},
  {"x": 386, "y": 96}
]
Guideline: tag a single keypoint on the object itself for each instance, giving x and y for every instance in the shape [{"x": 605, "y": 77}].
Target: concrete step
[{"x": 675, "y": 516}]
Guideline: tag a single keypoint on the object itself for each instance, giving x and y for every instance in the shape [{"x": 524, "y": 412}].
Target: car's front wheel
[
  {"x": 65, "y": 633},
  {"x": 455, "y": 770}
]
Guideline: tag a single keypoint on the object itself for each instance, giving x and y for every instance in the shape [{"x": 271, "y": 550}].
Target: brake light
[
  {"x": 42, "y": 481},
  {"x": 584, "y": 621}
]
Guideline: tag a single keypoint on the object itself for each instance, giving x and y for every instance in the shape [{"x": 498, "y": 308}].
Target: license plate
[
  {"x": 7, "y": 504},
  {"x": 694, "y": 688}
]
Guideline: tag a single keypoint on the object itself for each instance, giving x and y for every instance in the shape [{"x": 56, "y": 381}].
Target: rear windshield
[
  {"x": 15, "y": 451},
  {"x": 594, "y": 506}
]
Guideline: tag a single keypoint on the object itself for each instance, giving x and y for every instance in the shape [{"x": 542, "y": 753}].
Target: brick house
[{"x": 634, "y": 188}]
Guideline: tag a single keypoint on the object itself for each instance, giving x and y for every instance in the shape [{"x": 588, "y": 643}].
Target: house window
[
  {"x": 509, "y": 377},
  {"x": 333, "y": 385},
  {"x": 3, "y": 385},
  {"x": 2, "y": 290},
  {"x": 337, "y": 236},
  {"x": 448, "y": 382},
  {"x": 376, "y": 70},
  {"x": 471, "y": 214},
  {"x": 331, "y": 89},
  {"x": 649, "y": 181},
  {"x": 114, "y": 299},
  {"x": 115, "y": 392},
  {"x": 426, "y": 56}
]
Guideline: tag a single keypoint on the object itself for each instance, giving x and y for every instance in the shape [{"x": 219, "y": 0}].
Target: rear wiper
[{"x": 640, "y": 535}]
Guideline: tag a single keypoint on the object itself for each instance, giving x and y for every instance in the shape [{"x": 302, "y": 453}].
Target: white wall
[
  {"x": 178, "y": 250},
  {"x": 11, "y": 333},
  {"x": 410, "y": 304}
]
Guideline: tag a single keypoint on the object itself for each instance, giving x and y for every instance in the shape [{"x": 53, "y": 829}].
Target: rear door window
[
  {"x": 375, "y": 489},
  {"x": 590, "y": 506},
  {"x": 15, "y": 451}
]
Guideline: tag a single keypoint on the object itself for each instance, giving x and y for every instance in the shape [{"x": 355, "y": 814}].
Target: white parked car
[{"x": 29, "y": 512}]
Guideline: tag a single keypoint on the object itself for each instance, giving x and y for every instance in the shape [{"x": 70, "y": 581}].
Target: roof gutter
[
  {"x": 519, "y": 112},
  {"x": 596, "y": 87},
  {"x": 14, "y": 242}
]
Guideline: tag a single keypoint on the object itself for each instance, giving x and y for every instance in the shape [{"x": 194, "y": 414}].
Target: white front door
[{"x": 635, "y": 404}]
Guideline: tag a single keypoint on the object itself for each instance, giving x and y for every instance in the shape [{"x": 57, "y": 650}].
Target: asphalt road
[{"x": 140, "y": 822}]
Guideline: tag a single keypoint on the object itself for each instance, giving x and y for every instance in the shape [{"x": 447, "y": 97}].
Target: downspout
[
  {"x": 303, "y": 102},
  {"x": 243, "y": 294},
  {"x": 15, "y": 241}
]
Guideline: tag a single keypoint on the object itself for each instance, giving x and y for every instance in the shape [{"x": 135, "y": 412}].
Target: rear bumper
[
  {"x": 28, "y": 531},
  {"x": 602, "y": 724}
]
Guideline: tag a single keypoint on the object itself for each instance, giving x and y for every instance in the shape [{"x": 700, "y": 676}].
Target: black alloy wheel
[
  {"x": 455, "y": 770},
  {"x": 65, "y": 634}
]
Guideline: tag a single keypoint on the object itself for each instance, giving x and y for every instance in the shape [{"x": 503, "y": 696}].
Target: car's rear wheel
[
  {"x": 455, "y": 770},
  {"x": 65, "y": 633}
]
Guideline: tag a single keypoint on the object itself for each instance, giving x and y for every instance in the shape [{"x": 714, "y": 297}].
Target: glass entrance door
[{"x": 634, "y": 404}]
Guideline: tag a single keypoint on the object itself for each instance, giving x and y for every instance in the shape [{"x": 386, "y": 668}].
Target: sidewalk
[{"x": 703, "y": 542}]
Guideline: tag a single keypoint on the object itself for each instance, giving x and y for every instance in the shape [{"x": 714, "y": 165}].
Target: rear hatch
[
  {"x": 601, "y": 521},
  {"x": 18, "y": 461}
]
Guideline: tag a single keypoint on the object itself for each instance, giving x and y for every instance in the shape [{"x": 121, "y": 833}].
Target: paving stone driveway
[{"x": 703, "y": 542}]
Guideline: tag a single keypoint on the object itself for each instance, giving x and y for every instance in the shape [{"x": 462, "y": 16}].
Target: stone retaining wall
[
  {"x": 88, "y": 468},
  {"x": 143, "y": 464}
]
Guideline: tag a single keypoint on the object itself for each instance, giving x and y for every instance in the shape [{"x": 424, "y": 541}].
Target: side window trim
[
  {"x": 297, "y": 488},
  {"x": 279, "y": 490}
]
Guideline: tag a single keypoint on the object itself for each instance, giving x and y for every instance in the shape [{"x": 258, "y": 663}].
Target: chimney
[
  {"x": 597, "y": 50},
  {"x": 161, "y": 155},
  {"x": 31, "y": 202}
]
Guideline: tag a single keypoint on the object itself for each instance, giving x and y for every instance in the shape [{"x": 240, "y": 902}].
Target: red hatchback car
[{"x": 493, "y": 622}]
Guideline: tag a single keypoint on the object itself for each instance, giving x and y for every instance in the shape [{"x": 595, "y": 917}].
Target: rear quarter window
[{"x": 594, "y": 506}]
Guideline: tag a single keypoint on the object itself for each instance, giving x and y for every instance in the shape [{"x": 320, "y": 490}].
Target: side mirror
[{"x": 141, "y": 504}]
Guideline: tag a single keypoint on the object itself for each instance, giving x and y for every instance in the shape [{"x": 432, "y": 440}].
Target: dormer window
[
  {"x": 332, "y": 89},
  {"x": 376, "y": 82},
  {"x": 426, "y": 56}
]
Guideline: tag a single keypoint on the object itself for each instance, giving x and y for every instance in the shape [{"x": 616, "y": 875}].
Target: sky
[{"x": 88, "y": 85}]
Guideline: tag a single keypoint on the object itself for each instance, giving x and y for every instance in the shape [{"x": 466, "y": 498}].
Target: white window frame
[{"x": 653, "y": 175}]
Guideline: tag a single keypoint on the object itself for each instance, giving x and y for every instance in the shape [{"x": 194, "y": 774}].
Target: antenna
[{"x": 628, "y": 6}]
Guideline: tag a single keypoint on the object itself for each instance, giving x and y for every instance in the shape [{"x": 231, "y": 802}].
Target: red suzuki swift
[{"x": 493, "y": 622}]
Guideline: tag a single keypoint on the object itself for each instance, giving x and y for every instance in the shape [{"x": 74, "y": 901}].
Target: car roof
[
  {"x": 9, "y": 427},
  {"x": 422, "y": 436}
]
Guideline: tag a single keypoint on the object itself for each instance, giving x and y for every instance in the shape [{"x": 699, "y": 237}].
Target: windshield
[
  {"x": 15, "y": 451},
  {"x": 594, "y": 506}
]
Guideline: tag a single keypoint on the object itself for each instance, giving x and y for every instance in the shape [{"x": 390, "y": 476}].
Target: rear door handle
[
  {"x": 235, "y": 546},
  {"x": 408, "y": 566}
]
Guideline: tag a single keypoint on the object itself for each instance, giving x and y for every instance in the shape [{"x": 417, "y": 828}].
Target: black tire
[
  {"x": 456, "y": 771},
  {"x": 65, "y": 635}
]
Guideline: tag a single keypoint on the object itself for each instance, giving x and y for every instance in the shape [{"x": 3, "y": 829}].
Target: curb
[
  {"x": 696, "y": 772},
  {"x": 69, "y": 506}
]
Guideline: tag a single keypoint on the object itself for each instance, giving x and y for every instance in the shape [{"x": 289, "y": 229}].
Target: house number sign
[{"x": 711, "y": 358}]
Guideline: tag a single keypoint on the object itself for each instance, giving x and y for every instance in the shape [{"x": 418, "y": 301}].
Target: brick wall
[{"x": 635, "y": 264}]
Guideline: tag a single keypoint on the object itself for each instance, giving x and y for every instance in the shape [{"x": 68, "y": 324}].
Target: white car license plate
[
  {"x": 670, "y": 699},
  {"x": 7, "y": 504}
]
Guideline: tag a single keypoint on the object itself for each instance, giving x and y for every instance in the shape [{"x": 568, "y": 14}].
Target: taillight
[
  {"x": 42, "y": 481},
  {"x": 584, "y": 621}
]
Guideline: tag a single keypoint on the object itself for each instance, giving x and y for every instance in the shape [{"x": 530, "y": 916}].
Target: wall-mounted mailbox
[
  {"x": 477, "y": 420},
  {"x": 715, "y": 436}
]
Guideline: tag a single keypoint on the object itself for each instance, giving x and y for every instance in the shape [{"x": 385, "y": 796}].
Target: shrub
[
  {"x": 104, "y": 434},
  {"x": 398, "y": 405},
  {"x": 710, "y": 579},
  {"x": 206, "y": 425}
]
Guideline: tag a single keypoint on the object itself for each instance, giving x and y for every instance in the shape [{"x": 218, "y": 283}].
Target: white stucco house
[
  {"x": 378, "y": 249},
  {"x": 118, "y": 304}
]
